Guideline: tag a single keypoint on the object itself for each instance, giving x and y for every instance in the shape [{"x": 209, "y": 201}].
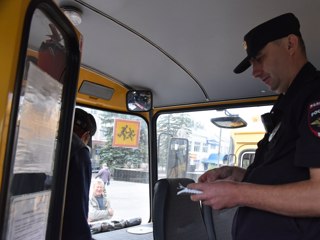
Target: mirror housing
[
  {"x": 229, "y": 122},
  {"x": 139, "y": 100}
]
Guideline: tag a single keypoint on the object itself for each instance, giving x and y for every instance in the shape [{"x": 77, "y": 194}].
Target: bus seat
[
  {"x": 176, "y": 216},
  {"x": 220, "y": 222}
]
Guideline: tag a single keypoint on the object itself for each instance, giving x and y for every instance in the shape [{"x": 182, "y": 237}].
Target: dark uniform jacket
[
  {"x": 289, "y": 148},
  {"x": 75, "y": 224}
]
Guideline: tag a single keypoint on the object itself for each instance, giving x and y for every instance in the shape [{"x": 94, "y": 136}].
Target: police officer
[{"x": 279, "y": 193}]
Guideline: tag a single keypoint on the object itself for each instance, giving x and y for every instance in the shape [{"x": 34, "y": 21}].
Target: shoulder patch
[{"x": 314, "y": 118}]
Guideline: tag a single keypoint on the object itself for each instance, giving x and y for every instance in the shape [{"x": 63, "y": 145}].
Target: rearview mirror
[
  {"x": 139, "y": 100},
  {"x": 229, "y": 122}
]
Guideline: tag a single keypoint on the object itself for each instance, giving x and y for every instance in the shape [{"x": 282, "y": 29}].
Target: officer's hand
[
  {"x": 216, "y": 174},
  {"x": 218, "y": 195},
  {"x": 225, "y": 173}
]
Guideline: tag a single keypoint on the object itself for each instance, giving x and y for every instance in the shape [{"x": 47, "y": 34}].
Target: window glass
[
  {"x": 206, "y": 145},
  {"x": 196, "y": 147},
  {"x": 121, "y": 144},
  {"x": 246, "y": 158}
]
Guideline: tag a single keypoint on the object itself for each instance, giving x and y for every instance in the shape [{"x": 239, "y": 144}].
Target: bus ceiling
[{"x": 183, "y": 51}]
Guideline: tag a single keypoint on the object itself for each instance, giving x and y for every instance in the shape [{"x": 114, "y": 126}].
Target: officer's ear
[{"x": 292, "y": 43}]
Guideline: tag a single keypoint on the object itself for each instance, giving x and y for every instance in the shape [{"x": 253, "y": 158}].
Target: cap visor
[{"x": 244, "y": 65}]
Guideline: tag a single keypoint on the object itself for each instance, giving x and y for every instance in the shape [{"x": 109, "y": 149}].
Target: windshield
[
  {"x": 121, "y": 145},
  {"x": 189, "y": 143}
]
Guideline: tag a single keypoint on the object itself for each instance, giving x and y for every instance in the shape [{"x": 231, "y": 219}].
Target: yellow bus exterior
[{"x": 12, "y": 14}]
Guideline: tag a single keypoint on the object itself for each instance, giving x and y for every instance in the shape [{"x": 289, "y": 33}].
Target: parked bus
[
  {"x": 246, "y": 139},
  {"x": 156, "y": 75}
]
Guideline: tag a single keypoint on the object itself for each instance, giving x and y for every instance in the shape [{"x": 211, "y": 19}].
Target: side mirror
[{"x": 139, "y": 100}]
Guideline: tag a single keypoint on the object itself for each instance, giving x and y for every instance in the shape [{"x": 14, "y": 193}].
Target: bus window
[
  {"x": 246, "y": 158},
  {"x": 202, "y": 144},
  {"x": 121, "y": 142}
]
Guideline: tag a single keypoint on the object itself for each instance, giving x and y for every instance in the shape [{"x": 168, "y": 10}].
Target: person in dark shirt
[
  {"x": 279, "y": 193},
  {"x": 75, "y": 221}
]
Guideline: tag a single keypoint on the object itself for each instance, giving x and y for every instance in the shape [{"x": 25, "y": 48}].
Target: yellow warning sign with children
[{"x": 126, "y": 133}]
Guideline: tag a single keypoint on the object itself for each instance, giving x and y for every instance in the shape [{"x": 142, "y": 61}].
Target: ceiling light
[{"x": 73, "y": 14}]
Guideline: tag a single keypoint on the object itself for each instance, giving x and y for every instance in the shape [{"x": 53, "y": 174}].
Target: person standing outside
[
  {"x": 104, "y": 174},
  {"x": 279, "y": 193},
  {"x": 75, "y": 220},
  {"x": 99, "y": 205}
]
